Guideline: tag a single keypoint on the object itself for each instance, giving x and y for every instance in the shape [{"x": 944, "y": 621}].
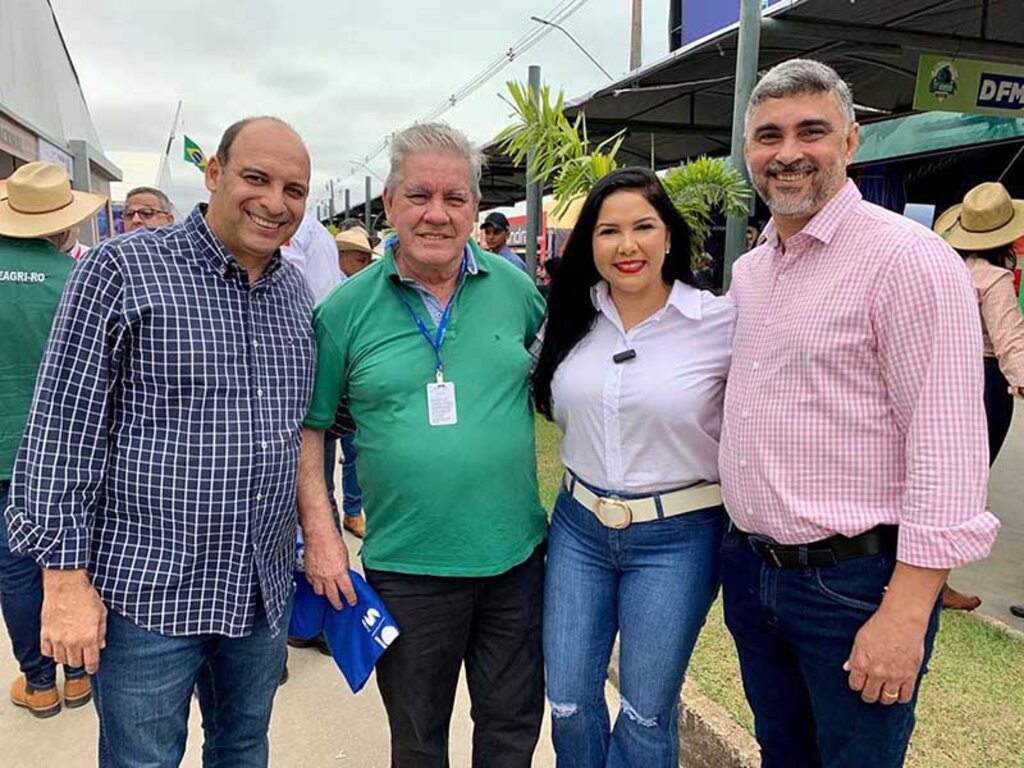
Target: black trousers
[
  {"x": 493, "y": 625},
  {"x": 998, "y": 407}
]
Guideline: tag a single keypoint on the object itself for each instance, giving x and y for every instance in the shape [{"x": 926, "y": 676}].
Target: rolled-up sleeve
[
  {"x": 60, "y": 470},
  {"x": 930, "y": 347}
]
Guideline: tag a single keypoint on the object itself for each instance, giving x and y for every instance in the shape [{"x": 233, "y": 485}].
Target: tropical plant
[
  {"x": 558, "y": 153},
  {"x": 701, "y": 186}
]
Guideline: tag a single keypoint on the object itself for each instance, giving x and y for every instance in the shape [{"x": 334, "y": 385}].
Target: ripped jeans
[{"x": 651, "y": 583}]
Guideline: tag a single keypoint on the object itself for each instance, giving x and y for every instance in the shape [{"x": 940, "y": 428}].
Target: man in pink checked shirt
[{"x": 853, "y": 456}]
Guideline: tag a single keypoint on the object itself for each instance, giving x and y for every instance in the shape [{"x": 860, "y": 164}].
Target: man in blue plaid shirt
[{"x": 156, "y": 480}]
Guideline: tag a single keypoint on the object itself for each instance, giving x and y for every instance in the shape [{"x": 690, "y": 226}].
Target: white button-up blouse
[{"x": 651, "y": 423}]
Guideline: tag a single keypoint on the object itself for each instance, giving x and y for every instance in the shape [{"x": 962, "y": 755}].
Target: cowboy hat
[
  {"x": 987, "y": 218},
  {"x": 40, "y": 202},
  {"x": 353, "y": 240}
]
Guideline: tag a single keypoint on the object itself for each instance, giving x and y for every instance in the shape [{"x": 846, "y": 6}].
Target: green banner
[{"x": 968, "y": 85}]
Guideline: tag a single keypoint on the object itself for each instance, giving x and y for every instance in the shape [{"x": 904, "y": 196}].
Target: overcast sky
[{"x": 344, "y": 73}]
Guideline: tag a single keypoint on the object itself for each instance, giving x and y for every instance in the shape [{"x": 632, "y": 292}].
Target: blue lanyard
[{"x": 436, "y": 340}]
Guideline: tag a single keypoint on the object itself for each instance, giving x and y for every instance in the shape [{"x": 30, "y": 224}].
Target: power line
[{"x": 562, "y": 11}]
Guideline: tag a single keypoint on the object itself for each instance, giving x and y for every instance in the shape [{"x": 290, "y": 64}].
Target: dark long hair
[
  {"x": 571, "y": 312},
  {"x": 1004, "y": 256}
]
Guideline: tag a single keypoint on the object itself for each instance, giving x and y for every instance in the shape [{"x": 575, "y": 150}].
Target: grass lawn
[{"x": 971, "y": 710}]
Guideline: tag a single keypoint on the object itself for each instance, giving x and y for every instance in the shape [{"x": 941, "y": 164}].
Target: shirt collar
[
  {"x": 823, "y": 226},
  {"x": 685, "y": 299},
  {"x": 473, "y": 265},
  {"x": 217, "y": 255}
]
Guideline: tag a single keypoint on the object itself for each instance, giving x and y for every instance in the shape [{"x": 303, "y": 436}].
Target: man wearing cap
[
  {"x": 38, "y": 209},
  {"x": 853, "y": 454},
  {"x": 495, "y": 229},
  {"x": 429, "y": 344},
  {"x": 355, "y": 253},
  {"x": 156, "y": 479},
  {"x": 146, "y": 208}
]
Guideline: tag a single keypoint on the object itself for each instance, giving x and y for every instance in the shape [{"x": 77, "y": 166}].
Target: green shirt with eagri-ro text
[{"x": 32, "y": 278}]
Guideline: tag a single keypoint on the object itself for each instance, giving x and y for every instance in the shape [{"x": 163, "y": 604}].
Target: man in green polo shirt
[
  {"x": 430, "y": 346},
  {"x": 37, "y": 209}
]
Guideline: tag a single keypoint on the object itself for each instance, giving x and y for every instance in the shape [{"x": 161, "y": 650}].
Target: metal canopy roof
[{"x": 681, "y": 106}]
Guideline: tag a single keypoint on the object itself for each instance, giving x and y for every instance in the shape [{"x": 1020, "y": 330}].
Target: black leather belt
[{"x": 824, "y": 553}]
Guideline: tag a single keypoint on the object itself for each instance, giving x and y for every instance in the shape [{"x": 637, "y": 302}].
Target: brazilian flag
[{"x": 194, "y": 155}]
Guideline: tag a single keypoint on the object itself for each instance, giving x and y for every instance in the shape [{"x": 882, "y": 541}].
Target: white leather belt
[{"x": 621, "y": 513}]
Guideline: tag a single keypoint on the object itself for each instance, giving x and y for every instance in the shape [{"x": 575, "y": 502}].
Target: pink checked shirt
[{"x": 855, "y": 394}]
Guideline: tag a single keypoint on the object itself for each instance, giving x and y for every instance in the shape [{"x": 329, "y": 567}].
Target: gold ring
[{"x": 888, "y": 695}]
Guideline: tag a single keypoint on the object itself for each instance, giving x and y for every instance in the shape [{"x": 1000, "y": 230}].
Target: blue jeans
[
  {"x": 352, "y": 493},
  {"x": 21, "y": 599},
  {"x": 330, "y": 455},
  {"x": 653, "y": 583},
  {"x": 144, "y": 687},
  {"x": 794, "y": 628}
]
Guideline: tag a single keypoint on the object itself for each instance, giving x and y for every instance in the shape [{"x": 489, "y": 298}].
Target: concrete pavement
[
  {"x": 999, "y": 580},
  {"x": 317, "y": 723}
]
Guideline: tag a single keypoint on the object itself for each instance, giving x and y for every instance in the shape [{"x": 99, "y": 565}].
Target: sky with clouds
[{"x": 344, "y": 73}]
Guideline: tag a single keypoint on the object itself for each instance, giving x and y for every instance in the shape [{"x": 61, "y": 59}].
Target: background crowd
[{"x": 816, "y": 444}]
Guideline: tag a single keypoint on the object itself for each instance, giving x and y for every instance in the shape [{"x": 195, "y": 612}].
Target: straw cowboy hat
[
  {"x": 39, "y": 201},
  {"x": 987, "y": 218},
  {"x": 353, "y": 240}
]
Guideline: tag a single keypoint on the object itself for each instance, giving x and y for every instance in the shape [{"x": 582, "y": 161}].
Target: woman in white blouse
[{"x": 633, "y": 368}]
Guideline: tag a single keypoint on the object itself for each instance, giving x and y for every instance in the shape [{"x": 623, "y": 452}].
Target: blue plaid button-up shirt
[{"x": 162, "y": 446}]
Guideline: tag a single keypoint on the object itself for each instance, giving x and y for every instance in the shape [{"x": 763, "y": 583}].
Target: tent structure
[
  {"x": 681, "y": 106},
  {"x": 43, "y": 112}
]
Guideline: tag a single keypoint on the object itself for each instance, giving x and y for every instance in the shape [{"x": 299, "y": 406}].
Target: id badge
[{"x": 441, "y": 404}]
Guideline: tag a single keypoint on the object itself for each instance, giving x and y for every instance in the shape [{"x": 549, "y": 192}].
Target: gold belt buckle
[{"x": 623, "y": 512}]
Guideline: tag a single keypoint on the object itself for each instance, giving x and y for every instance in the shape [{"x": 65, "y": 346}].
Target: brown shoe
[
  {"x": 355, "y": 525},
  {"x": 77, "y": 692},
  {"x": 957, "y": 601},
  {"x": 44, "y": 703}
]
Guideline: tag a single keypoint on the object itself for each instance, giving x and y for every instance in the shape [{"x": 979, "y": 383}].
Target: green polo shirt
[
  {"x": 32, "y": 278},
  {"x": 457, "y": 500}
]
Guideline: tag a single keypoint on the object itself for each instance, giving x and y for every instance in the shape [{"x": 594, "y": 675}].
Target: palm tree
[
  {"x": 564, "y": 160},
  {"x": 702, "y": 186}
]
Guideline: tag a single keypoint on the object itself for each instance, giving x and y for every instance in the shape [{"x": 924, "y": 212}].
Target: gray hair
[
  {"x": 798, "y": 76},
  {"x": 165, "y": 202},
  {"x": 433, "y": 137}
]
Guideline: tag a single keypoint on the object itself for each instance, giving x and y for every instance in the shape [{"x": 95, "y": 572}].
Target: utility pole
[
  {"x": 636, "y": 38},
  {"x": 330, "y": 207},
  {"x": 534, "y": 193},
  {"x": 366, "y": 208},
  {"x": 348, "y": 202},
  {"x": 748, "y": 48}
]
